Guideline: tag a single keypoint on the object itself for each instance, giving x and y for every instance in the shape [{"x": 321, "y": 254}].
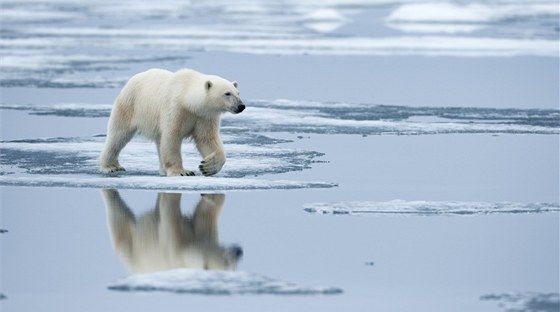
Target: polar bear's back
[
  {"x": 142, "y": 101},
  {"x": 158, "y": 87},
  {"x": 145, "y": 88}
]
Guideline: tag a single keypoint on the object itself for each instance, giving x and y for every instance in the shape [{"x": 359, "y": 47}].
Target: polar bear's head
[{"x": 223, "y": 96}]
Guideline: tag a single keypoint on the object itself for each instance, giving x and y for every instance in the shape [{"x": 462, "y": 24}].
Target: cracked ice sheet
[
  {"x": 72, "y": 162},
  {"x": 215, "y": 283},
  {"x": 283, "y": 115},
  {"x": 369, "y": 119}
]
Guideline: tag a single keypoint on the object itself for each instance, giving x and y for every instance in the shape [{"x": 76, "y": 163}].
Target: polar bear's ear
[
  {"x": 235, "y": 84},
  {"x": 208, "y": 85}
]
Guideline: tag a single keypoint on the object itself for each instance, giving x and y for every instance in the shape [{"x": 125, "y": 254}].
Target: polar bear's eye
[{"x": 228, "y": 93}]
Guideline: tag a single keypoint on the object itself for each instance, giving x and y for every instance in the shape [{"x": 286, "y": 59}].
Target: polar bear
[
  {"x": 165, "y": 239},
  {"x": 168, "y": 107}
]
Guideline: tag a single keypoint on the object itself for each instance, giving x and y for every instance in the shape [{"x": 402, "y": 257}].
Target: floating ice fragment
[
  {"x": 454, "y": 18},
  {"x": 526, "y": 301},
  {"x": 198, "y": 184},
  {"x": 215, "y": 283},
  {"x": 427, "y": 208},
  {"x": 445, "y": 12},
  {"x": 324, "y": 20}
]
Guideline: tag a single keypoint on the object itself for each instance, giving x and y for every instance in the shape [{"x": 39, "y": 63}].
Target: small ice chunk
[{"x": 526, "y": 301}]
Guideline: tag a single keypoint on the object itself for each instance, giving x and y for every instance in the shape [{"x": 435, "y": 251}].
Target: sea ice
[
  {"x": 216, "y": 283},
  {"x": 72, "y": 161},
  {"x": 352, "y": 118},
  {"x": 51, "y": 53},
  {"x": 427, "y": 208},
  {"x": 79, "y": 155},
  {"x": 526, "y": 301}
]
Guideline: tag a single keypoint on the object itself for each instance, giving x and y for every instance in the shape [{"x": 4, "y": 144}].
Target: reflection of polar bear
[
  {"x": 167, "y": 108},
  {"x": 164, "y": 239}
]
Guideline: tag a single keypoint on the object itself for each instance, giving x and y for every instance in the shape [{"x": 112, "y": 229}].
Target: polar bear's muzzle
[{"x": 239, "y": 108}]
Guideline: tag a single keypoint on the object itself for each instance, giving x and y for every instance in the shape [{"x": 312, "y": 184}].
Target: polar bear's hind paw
[
  {"x": 180, "y": 172},
  {"x": 112, "y": 168},
  {"x": 188, "y": 173}
]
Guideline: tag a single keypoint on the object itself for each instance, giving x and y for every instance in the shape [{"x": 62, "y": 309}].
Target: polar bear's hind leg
[{"x": 116, "y": 141}]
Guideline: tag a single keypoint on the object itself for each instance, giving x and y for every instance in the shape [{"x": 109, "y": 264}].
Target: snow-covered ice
[{"x": 72, "y": 162}]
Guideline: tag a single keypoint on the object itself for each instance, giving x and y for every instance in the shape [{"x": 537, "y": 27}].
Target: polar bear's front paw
[
  {"x": 112, "y": 168},
  {"x": 211, "y": 165},
  {"x": 179, "y": 172}
]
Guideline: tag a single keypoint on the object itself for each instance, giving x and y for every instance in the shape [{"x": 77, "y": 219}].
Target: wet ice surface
[
  {"x": 215, "y": 283},
  {"x": 426, "y": 208}
]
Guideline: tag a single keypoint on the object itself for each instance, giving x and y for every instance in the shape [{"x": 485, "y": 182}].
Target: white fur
[{"x": 168, "y": 107}]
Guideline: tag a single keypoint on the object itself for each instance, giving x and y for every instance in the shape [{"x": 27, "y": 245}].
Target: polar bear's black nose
[
  {"x": 241, "y": 107},
  {"x": 237, "y": 251}
]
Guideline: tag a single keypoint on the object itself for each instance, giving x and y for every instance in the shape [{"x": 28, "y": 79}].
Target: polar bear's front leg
[
  {"x": 213, "y": 155},
  {"x": 170, "y": 156}
]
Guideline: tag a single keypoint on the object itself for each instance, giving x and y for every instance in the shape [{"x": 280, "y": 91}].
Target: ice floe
[
  {"x": 427, "y": 208},
  {"x": 526, "y": 301},
  {"x": 72, "y": 162},
  {"x": 42, "y": 42},
  {"x": 353, "y": 118},
  {"x": 216, "y": 283},
  {"x": 251, "y": 155},
  {"x": 449, "y": 12},
  {"x": 64, "y": 109},
  {"x": 455, "y": 18},
  {"x": 367, "y": 119},
  {"x": 198, "y": 184}
]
